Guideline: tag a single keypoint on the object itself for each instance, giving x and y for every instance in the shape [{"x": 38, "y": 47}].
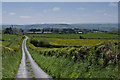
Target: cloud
[
  {"x": 25, "y": 17},
  {"x": 56, "y": 9},
  {"x": 106, "y": 14},
  {"x": 52, "y": 9},
  {"x": 12, "y": 13},
  {"x": 81, "y": 8},
  {"x": 112, "y": 4}
]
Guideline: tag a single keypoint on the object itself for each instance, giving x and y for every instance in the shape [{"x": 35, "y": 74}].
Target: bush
[
  {"x": 15, "y": 48},
  {"x": 23, "y": 37},
  {"x": 81, "y": 37},
  {"x": 43, "y": 43},
  {"x": 34, "y": 42},
  {"x": 40, "y": 43}
]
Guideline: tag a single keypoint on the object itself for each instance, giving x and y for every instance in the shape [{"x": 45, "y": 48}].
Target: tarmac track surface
[{"x": 28, "y": 69}]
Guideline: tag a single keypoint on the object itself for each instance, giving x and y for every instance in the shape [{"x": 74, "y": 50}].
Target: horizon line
[{"x": 58, "y": 23}]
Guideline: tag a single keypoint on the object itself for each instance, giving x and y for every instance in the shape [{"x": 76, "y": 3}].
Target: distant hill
[{"x": 104, "y": 27}]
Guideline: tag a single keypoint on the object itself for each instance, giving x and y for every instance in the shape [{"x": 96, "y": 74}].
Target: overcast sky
[{"x": 59, "y": 12}]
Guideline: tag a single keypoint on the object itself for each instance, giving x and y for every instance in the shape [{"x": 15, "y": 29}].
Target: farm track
[{"x": 28, "y": 68}]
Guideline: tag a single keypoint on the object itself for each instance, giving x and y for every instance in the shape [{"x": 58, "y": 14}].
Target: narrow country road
[{"x": 28, "y": 67}]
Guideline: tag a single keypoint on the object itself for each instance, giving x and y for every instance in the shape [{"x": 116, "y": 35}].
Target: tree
[
  {"x": 81, "y": 37},
  {"x": 8, "y": 31}
]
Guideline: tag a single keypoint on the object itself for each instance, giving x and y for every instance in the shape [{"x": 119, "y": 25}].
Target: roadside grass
[
  {"x": 11, "y": 57},
  {"x": 5, "y": 43},
  {"x": 0, "y": 61},
  {"x": 0, "y": 57},
  {"x": 65, "y": 67},
  {"x": 10, "y": 63}
]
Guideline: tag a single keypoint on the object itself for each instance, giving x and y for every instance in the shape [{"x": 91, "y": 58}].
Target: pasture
[
  {"x": 90, "y": 39},
  {"x": 77, "y": 36},
  {"x": 8, "y": 39}
]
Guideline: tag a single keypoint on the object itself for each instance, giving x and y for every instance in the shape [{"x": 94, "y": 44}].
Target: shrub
[
  {"x": 15, "y": 48},
  {"x": 81, "y": 37},
  {"x": 40, "y": 43},
  {"x": 34, "y": 42},
  {"x": 43, "y": 43}
]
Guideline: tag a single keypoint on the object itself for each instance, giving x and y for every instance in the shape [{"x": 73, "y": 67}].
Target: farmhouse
[
  {"x": 80, "y": 32},
  {"x": 39, "y": 32}
]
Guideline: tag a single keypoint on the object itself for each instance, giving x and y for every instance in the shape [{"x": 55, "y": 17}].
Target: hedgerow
[
  {"x": 94, "y": 54},
  {"x": 71, "y": 62}
]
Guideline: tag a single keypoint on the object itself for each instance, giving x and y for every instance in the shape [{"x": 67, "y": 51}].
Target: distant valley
[{"x": 103, "y": 27}]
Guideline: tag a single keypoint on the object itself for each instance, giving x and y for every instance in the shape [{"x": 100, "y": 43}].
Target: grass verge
[
  {"x": 62, "y": 67},
  {"x": 11, "y": 58}
]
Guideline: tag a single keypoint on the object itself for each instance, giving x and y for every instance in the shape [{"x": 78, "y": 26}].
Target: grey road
[{"x": 28, "y": 68}]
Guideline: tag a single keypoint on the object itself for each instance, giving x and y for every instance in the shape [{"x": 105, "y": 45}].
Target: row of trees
[
  {"x": 12, "y": 31},
  {"x": 57, "y": 30}
]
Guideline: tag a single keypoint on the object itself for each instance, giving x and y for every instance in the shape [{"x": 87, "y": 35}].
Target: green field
[
  {"x": 76, "y": 42},
  {"x": 86, "y": 61},
  {"x": 77, "y": 36},
  {"x": 8, "y": 39},
  {"x": 73, "y": 39},
  {"x": 74, "y": 58}
]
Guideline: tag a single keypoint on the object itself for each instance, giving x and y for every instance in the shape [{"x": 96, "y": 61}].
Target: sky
[
  {"x": 60, "y": 0},
  {"x": 59, "y": 12}
]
